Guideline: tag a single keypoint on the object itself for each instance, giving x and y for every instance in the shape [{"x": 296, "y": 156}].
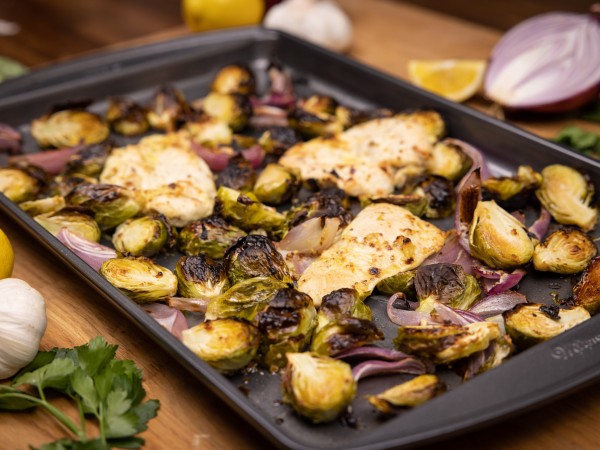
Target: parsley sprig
[{"x": 105, "y": 389}]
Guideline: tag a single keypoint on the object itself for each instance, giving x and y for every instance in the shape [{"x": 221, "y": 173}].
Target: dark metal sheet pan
[{"x": 536, "y": 376}]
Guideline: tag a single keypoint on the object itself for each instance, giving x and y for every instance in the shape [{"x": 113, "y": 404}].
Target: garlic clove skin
[
  {"x": 322, "y": 22},
  {"x": 22, "y": 325}
]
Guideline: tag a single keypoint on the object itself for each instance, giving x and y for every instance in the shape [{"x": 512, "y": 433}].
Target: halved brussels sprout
[
  {"x": 567, "y": 195},
  {"x": 238, "y": 175},
  {"x": 446, "y": 343},
  {"x": 255, "y": 256},
  {"x": 211, "y": 235},
  {"x": 227, "y": 345},
  {"x": 208, "y": 131},
  {"x": 531, "y": 323},
  {"x": 311, "y": 125},
  {"x": 89, "y": 161},
  {"x": 233, "y": 109},
  {"x": 513, "y": 192},
  {"x": 248, "y": 213},
  {"x": 276, "y": 140},
  {"x": 343, "y": 334},
  {"x": 449, "y": 161},
  {"x": 126, "y": 117},
  {"x": 286, "y": 325},
  {"x": 140, "y": 278},
  {"x": 234, "y": 79},
  {"x": 167, "y": 108},
  {"x": 317, "y": 387},
  {"x": 244, "y": 299},
  {"x": 68, "y": 128},
  {"x": 200, "y": 277},
  {"x": 408, "y": 394},
  {"x": 498, "y": 238},
  {"x": 18, "y": 185},
  {"x": 401, "y": 282},
  {"x": 276, "y": 185},
  {"x": 76, "y": 220},
  {"x": 564, "y": 251},
  {"x": 439, "y": 194},
  {"x": 331, "y": 202},
  {"x": 63, "y": 184},
  {"x": 43, "y": 205},
  {"x": 144, "y": 236},
  {"x": 340, "y": 303},
  {"x": 586, "y": 292},
  {"x": 445, "y": 283},
  {"x": 111, "y": 204}
]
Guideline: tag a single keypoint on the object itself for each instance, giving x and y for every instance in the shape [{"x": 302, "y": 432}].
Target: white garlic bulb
[
  {"x": 320, "y": 21},
  {"x": 22, "y": 325}
]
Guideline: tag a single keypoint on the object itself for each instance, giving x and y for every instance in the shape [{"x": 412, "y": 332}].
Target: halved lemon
[
  {"x": 7, "y": 257},
  {"x": 455, "y": 79}
]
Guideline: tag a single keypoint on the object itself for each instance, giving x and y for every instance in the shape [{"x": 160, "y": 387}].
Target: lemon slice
[
  {"x": 455, "y": 79},
  {"x": 7, "y": 257}
]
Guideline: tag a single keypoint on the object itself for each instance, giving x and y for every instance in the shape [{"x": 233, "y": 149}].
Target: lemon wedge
[
  {"x": 7, "y": 256},
  {"x": 455, "y": 79},
  {"x": 204, "y": 15}
]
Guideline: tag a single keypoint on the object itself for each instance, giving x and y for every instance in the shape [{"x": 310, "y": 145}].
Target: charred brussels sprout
[
  {"x": 244, "y": 299},
  {"x": 446, "y": 283},
  {"x": 443, "y": 344},
  {"x": 348, "y": 117},
  {"x": 408, "y": 394},
  {"x": 144, "y": 236},
  {"x": 331, "y": 202},
  {"x": 68, "y": 128},
  {"x": 311, "y": 125},
  {"x": 531, "y": 323},
  {"x": 18, "y": 185},
  {"x": 317, "y": 387},
  {"x": 564, "y": 251},
  {"x": 238, "y": 175},
  {"x": 255, "y": 256},
  {"x": 401, "y": 282},
  {"x": 586, "y": 292},
  {"x": 89, "y": 161},
  {"x": 449, "y": 161},
  {"x": 43, "y": 205},
  {"x": 439, "y": 195},
  {"x": 234, "y": 79},
  {"x": 276, "y": 185},
  {"x": 499, "y": 239},
  {"x": 200, "y": 276},
  {"x": 77, "y": 221},
  {"x": 126, "y": 117},
  {"x": 276, "y": 140},
  {"x": 111, "y": 204},
  {"x": 344, "y": 334},
  {"x": 233, "y": 109},
  {"x": 167, "y": 108},
  {"x": 513, "y": 191},
  {"x": 227, "y": 345},
  {"x": 567, "y": 195},
  {"x": 248, "y": 213},
  {"x": 64, "y": 184},
  {"x": 340, "y": 303},
  {"x": 211, "y": 235},
  {"x": 286, "y": 325},
  {"x": 140, "y": 278}
]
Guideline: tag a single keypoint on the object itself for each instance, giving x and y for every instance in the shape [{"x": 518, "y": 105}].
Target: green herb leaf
[
  {"x": 580, "y": 139},
  {"x": 54, "y": 375},
  {"x": 131, "y": 442},
  {"x": 12, "y": 399},
  {"x": 96, "y": 355},
  {"x": 83, "y": 385}
]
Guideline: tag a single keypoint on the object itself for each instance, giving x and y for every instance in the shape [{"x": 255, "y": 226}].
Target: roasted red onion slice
[
  {"x": 216, "y": 158},
  {"x": 469, "y": 195},
  {"x": 312, "y": 236},
  {"x": 453, "y": 253},
  {"x": 455, "y": 316},
  {"x": 496, "y": 304},
  {"x": 198, "y": 304},
  {"x": 405, "y": 317},
  {"x": 371, "y": 352},
  {"x": 539, "y": 228},
  {"x": 409, "y": 365},
  {"x": 477, "y": 158},
  {"x": 265, "y": 116},
  {"x": 507, "y": 280},
  {"x": 254, "y": 155},
  {"x": 170, "y": 318},
  {"x": 10, "y": 140},
  {"x": 92, "y": 253},
  {"x": 52, "y": 161}
]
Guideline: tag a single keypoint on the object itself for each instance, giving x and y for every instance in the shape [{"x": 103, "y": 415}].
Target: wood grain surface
[{"x": 387, "y": 35}]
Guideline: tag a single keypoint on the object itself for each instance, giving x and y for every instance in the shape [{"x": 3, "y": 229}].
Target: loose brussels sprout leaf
[
  {"x": 565, "y": 251},
  {"x": 166, "y": 109},
  {"x": 126, "y": 117},
  {"x": 446, "y": 283},
  {"x": 276, "y": 185},
  {"x": 340, "y": 303},
  {"x": 200, "y": 277},
  {"x": 401, "y": 282},
  {"x": 449, "y": 161},
  {"x": 567, "y": 195},
  {"x": 18, "y": 185},
  {"x": 438, "y": 193},
  {"x": 77, "y": 222},
  {"x": 233, "y": 109},
  {"x": 317, "y": 387},
  {"x": 211, "y": 235},
  {"x": 499, "y": 239},
  {"x": 238, "y": 175},
  {"x": 89, "y": 161},
  {"x": 234, "y": 79},
  {"x": 111, "y": 204},
  {"x": 248, "y": 213},
  {"x": 446, "y": 343},
  {"x": 276, "y": 140},
  {"x": 244, "y": 299},
  {"x": 255, "y": 256},
  {"x": 408, "y": 394},
  {"x": 586, "y": 292},
  {"x": 227, "y": 345},
  {"x": 43, "y": 205},
  {"x": 144, "y": 236},
  {"x": 527, "y": 324},
  {"x": 140, "y": 278},
  {"x": 343, "y": 334},
  {"x": 68, "y": 128}
]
